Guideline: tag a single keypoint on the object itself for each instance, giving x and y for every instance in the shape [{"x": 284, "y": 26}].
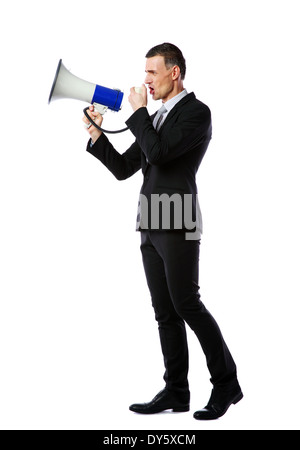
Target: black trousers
[{"x": 171, "y": 266}]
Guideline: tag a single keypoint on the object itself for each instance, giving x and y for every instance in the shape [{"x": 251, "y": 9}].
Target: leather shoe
[
  {"x": 162, "y": 401},
  {"x": 219, "y": 403}
]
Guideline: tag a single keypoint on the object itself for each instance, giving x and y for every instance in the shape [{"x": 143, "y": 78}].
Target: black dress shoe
[
  {"x": 162, "y": 401},
  {"x": 219, "y": 403}
]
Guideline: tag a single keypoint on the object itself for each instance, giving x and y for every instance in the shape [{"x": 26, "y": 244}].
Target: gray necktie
[{"x": 159, "y": 117}]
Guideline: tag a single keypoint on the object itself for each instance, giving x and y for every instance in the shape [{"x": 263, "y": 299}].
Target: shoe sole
[
  {"x": 238, "y": 398},
  {"x": 181, "y": 409},
  {"x": 153, "y": 411}
]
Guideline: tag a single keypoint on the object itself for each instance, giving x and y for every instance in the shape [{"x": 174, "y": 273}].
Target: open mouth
[{"x": 151, "y": 90}]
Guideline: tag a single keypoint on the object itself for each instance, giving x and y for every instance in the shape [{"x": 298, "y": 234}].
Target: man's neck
[
  {"x": 174, "y": 100},
  {"x": 177, "y": 89}
]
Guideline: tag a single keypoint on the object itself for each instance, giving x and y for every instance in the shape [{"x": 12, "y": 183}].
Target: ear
[{"x": 175, "y": 73}]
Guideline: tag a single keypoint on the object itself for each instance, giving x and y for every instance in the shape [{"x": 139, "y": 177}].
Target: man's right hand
[{"x": 97, "y": 118}]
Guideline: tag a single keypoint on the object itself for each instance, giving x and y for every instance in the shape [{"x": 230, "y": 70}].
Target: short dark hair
[{"x": 172, "y": 55}]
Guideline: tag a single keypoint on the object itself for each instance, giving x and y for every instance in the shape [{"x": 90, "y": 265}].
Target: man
[{"x": 169, "y": 147}]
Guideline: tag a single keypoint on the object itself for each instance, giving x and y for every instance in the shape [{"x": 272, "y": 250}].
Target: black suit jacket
[{"x": 169, "y": 160}]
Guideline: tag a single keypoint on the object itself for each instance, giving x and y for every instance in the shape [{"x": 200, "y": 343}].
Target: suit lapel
[{"x": 178, "y": 107}]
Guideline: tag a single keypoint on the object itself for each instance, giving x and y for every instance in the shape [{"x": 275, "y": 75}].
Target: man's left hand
[{"x": 138, "y": 100}]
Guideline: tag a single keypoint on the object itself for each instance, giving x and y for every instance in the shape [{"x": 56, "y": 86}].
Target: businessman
[{"x": 168, "y": 148}]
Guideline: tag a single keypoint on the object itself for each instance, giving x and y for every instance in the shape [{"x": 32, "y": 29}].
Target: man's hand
[
  {"x": 97, "y": 118},
  {"x": 138, "y": 100}
]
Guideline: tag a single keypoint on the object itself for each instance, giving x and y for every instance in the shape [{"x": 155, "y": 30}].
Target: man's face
[{"x": 159, "y": 78}]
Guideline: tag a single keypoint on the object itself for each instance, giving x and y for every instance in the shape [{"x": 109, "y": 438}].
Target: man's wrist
[
  {"x": 139, "y": 107},
  {"x": 95, "y": 137}
]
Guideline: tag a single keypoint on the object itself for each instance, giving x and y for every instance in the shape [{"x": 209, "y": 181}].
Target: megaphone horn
[{"x": 67, "y": 85}]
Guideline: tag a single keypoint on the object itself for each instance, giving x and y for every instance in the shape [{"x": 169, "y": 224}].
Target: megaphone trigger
[{"x": 100, "y": 108}]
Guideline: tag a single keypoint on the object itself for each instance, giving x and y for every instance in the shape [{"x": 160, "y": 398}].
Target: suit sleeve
[
  {"x": 191, "y": 128},
  {"x": 122, "y": 166}
]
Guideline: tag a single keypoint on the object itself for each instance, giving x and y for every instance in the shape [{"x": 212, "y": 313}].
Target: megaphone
[{"x": 67, "y": 85}]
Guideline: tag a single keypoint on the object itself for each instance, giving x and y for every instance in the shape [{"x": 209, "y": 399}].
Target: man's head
[{"x": 165, "y": 68}]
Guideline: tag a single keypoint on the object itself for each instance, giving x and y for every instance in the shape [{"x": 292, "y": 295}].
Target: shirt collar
[{"x": 174, "y": 100}]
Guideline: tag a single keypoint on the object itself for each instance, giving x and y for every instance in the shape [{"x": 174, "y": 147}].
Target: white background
[{"x": 78, "y": 338}]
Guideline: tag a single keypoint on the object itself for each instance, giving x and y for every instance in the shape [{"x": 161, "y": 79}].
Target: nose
[{"x": 148, "y": 79}]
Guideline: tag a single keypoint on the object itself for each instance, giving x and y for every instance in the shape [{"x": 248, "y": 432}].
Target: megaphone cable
[{"x": 99, "y": 128}]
